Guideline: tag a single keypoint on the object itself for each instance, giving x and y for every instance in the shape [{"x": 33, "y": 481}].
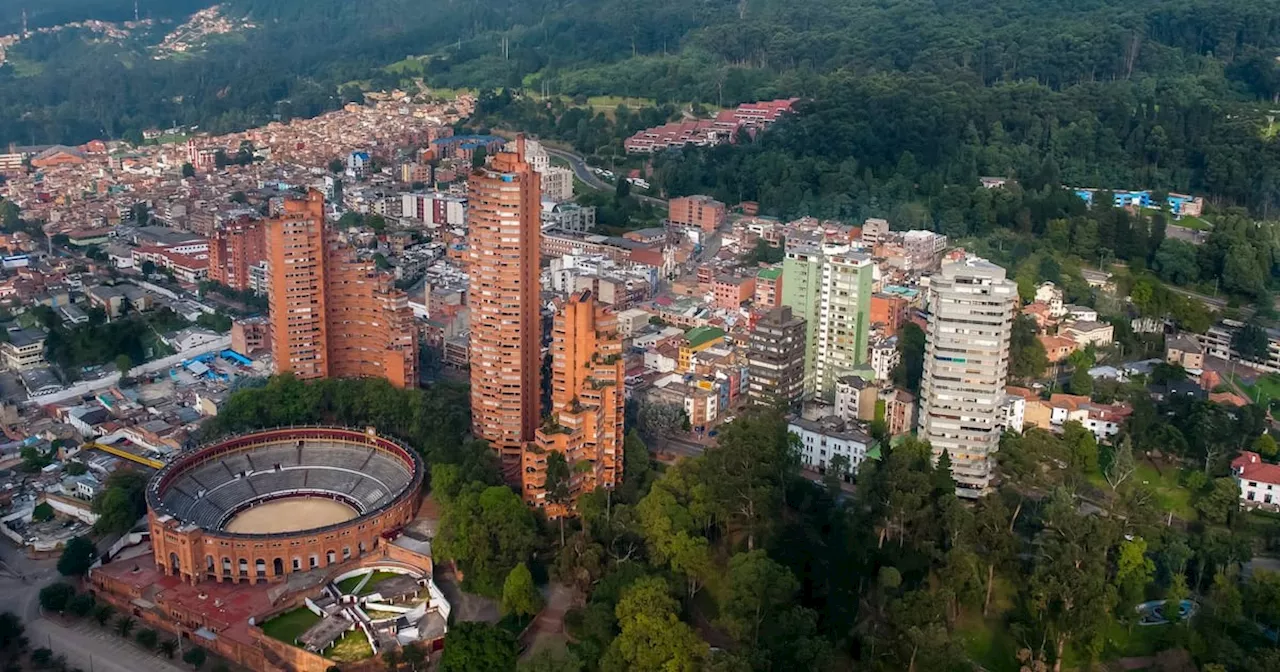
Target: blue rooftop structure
[
  {"x": 470, "y": 141},
  {"x": 1142, "y": 199}
]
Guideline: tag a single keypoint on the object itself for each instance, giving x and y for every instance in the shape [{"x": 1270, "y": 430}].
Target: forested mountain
[{"x": 63, "y": 88}]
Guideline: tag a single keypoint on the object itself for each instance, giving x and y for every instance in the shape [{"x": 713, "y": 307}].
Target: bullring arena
[{"x": 285, "y": 549}]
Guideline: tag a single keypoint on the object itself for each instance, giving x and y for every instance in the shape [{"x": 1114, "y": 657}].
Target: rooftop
[{"x": 701, "y": 335}]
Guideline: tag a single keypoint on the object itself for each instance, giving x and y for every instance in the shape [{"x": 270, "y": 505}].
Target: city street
[{"x": 85, "y": 645}]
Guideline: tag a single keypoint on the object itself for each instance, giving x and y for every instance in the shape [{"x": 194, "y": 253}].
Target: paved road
[
  {"x": 103, "y": 383},
  {"x": 85, "y": 646},
  {"x": 583, "y": 173}
]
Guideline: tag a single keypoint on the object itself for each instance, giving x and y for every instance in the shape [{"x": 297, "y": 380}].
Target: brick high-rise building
[
  {"x": 504, "y": 201},
  {"x": 587, "y": 405},
  {"x": 331, "y": 313},
  {"x": 234, "y": 249},
  {"x": 295, "y": 253},
  {"x": 966, "y": 363}
]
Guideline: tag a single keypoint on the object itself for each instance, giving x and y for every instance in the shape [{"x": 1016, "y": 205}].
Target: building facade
[
  {"x": 588, "y": 385},
  {"x": 966, "y": 365},
  {"x": 505, "y": 341},
  {"x": 234, "y": 250},
  {"x": 331, "y": 313},
  {"x": 775, "y": 359},
  {"x": 802, "y": 292},
  {"x": 844, "y": 323},
  {"x": 702, "y": 212}
]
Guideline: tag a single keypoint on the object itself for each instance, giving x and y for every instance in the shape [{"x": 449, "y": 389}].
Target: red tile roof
[{"x": 1250, "y": 467}]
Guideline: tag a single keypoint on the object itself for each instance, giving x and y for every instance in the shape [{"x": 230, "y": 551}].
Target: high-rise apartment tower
[
  {"x": 333, "y": 314},
  {"x": 504, "y": 202},
  {"x": 966, "y": 364},
  {"x": 775, "y": 359}
]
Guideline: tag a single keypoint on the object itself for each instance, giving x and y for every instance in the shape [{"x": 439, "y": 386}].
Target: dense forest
[{"x": 64, "y": 88}]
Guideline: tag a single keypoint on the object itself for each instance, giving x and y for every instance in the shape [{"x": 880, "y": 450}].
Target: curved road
[{"x": 583, "y": 172}]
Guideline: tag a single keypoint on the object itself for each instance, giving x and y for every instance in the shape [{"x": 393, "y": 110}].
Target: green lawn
[
  {"x": 373, "y": 580},
  {"x": 1195, "y": 223},
  {"x": 1264, "y": 390},
  {"x": 1170, "y": 494},
  {"x": 351, "y": 647},
  {"x": 288, "y": 626},
  {"x": 349, "y": 584}
]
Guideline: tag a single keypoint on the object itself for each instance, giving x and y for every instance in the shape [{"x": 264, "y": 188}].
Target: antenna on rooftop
[
  {"x": 25, "y": 32},
  {"x": 135, "y": 11}
]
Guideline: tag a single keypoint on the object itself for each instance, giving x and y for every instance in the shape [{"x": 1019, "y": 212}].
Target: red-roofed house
[
  {"x": 1057, "y": 348},
  {"x": 1259, "y": 482}
]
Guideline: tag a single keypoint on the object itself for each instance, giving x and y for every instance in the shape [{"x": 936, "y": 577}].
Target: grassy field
[
  {"x": 1170, "y": 494},
  {"x": 351, "y": 647},
  {"x": 1194, "y": 223},
  {"x": 288, "y": 626},
  {"x": 1263, "y": 390}
]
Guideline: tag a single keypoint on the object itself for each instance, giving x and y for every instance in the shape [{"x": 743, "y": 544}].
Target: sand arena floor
[{"x": 290, "y": 515}]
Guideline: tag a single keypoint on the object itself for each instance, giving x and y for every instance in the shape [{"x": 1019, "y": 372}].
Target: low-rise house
[
  {"x": 1058, "y": 348},
  {"x": 1103, "y": 420},
  {"x": 1258, "y": 481},
  {"x": 821, "y": 441},
  {"x": 23, "y": 350},
  {"x": 1184, "y": 350},
  {"x": 1085, "y": 333}
]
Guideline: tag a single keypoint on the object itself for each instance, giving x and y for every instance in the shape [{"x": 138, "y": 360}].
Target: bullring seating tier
[{"x": 209, "y": 494}]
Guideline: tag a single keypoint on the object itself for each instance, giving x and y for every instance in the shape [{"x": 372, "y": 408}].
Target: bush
[
  {"x": 43, "y": 512},
  {"x": 195, "y": 657},
  {"x": 81, "y": 605},
  {"x": 147, "y": 638},
  {"x": 55, "y": 597}
]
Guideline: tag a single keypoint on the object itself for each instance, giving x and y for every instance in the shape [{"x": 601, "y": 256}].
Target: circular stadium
[{"x": 260, "y": 506}]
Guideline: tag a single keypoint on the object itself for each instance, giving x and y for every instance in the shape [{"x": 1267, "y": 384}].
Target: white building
[
  {"x": 884, "y": 356},
  {"x": 557, "y": 184},
  {"x": 823, "y": 440},
  {"x": 1080, "y": 313},
  {"x": 24, "y": 349},
  {"x": 1050, "y": 295},
  {"x": 1012, "y": 411},
  {"x": 856, "y": 399},
  {"x": 1259, "y": 482},
  {"x": 966, "y": 365}
]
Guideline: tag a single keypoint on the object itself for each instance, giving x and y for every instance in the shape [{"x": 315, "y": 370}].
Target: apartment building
[
  {"x": 333, "y": 314},
  {"x": 966, "y": 365},
  {"x": 506, "y": 344},
  {"x": 234, "y": 250},
  {"x": 775, "y": 359},
  {"x": 702, "y": 212},
  {"x": 821, "y": 441},
  {"x": 801, "y": 292},
  {"x": 24, "y": 349},
  {"x": 768, "y": 288},
  {"x": 844, "y": 321},
  {"x": 588, "y": 384}
]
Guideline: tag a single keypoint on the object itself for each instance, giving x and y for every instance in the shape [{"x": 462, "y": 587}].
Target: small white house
[{"x": 1259, "y": 481}]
